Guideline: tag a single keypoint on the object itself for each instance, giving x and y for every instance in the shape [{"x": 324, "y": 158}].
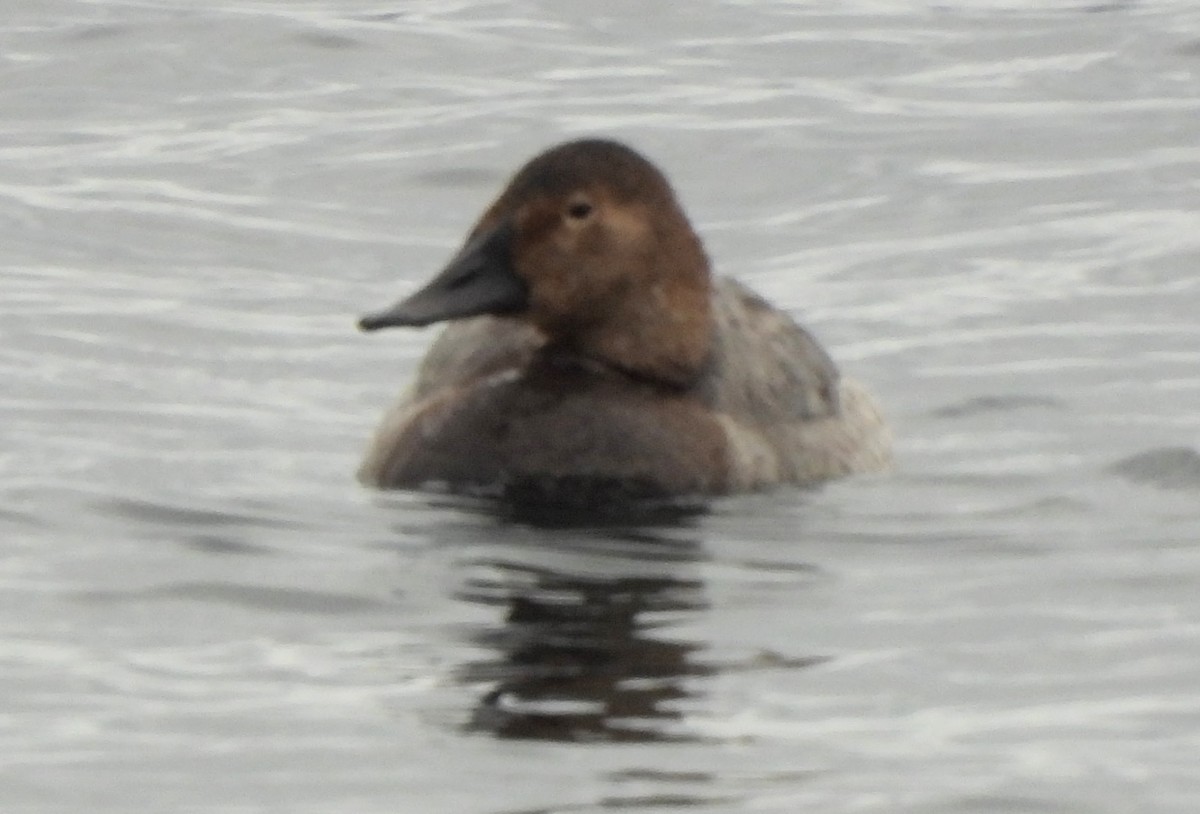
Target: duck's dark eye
[{"x": 579, "y": 210}]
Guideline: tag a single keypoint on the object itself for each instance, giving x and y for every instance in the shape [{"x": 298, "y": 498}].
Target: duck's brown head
[{"x": 589, "y": 244}]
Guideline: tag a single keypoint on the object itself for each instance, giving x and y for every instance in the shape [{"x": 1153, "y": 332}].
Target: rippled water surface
[{"x": 988, "y": 210}]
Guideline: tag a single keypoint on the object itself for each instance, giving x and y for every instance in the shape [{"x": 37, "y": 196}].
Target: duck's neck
[{"x": 663, "y": 336}]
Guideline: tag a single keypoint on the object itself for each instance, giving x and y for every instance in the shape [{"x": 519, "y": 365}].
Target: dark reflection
[
  {"x": 1164, "y": 467},
  {"x": 590, "y": 645}
]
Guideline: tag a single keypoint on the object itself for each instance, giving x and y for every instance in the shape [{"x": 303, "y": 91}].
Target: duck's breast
[{"x": 546, "y": 423}]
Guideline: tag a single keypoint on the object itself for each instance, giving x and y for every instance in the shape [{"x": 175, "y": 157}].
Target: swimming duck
[{"x": 590, "y": 346}]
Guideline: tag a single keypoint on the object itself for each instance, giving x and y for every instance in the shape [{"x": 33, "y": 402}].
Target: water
[{"x": 988, "y": 210}]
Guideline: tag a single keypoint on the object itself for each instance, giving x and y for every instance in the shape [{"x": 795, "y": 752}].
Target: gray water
[{"x": 988, "y": 210}]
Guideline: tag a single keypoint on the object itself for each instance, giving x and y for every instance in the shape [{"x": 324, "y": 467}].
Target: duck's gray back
[
  {"x": 788, "y": 415},
  {"x": 765, "y": 368}
]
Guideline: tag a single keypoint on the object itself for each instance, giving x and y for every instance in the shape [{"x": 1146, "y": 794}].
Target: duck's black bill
[{"x": 479, "y": 280}]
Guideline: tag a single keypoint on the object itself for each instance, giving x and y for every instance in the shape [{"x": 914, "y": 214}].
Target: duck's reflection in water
[{"x": 593, "y": 642}]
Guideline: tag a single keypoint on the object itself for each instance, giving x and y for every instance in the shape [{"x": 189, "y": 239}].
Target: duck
[{"x": 590, "y": 351}]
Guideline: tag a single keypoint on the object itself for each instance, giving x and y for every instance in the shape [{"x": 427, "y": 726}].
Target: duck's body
[{"x": 617, "y": 361}]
